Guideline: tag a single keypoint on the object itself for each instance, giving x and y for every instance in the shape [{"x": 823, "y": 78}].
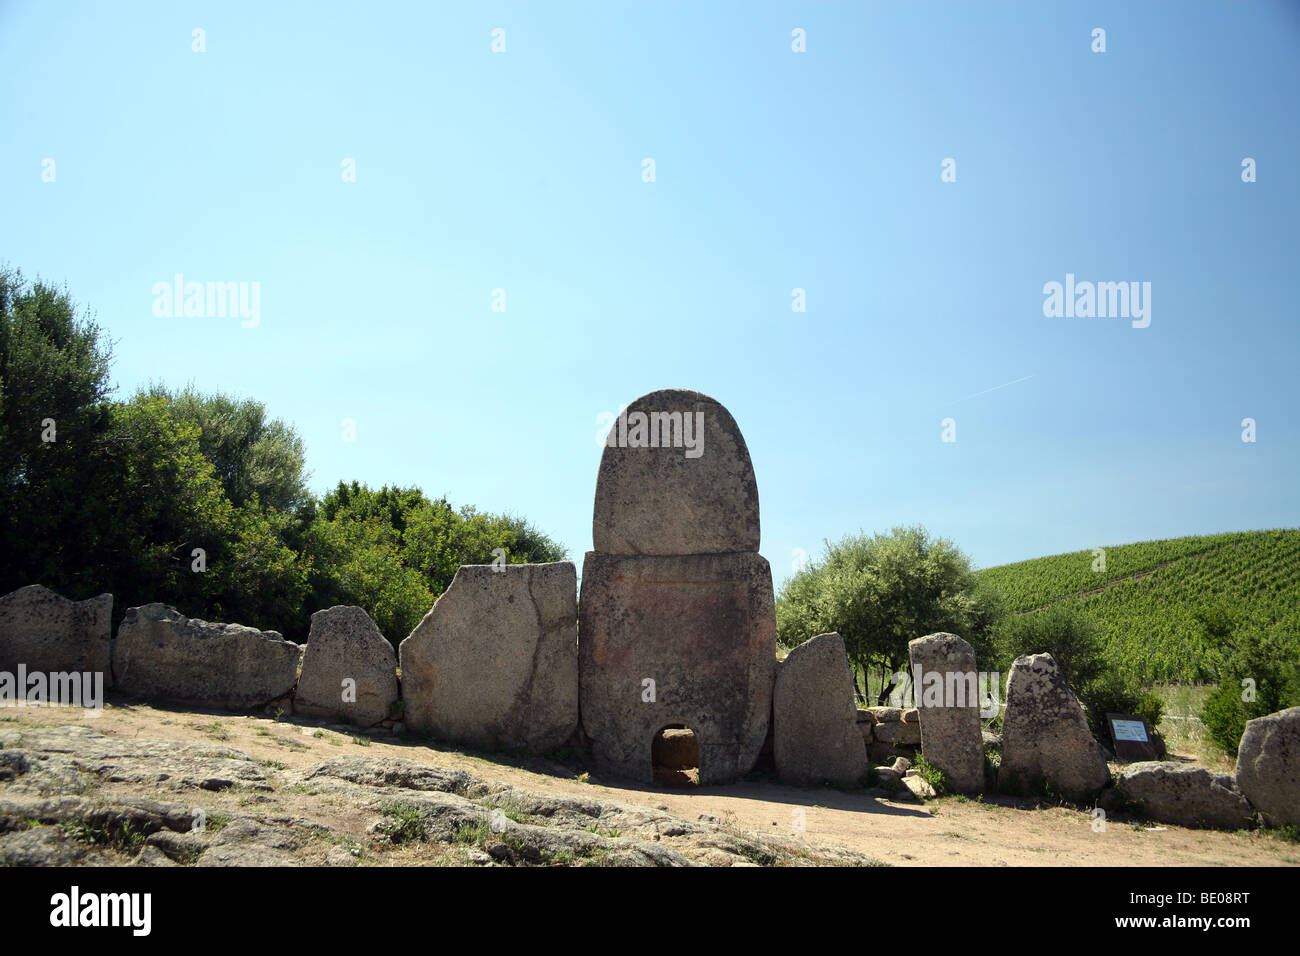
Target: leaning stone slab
[
  {"x": 47, "y": 632},
  {"x": 675, "y": 478},
  {"x": 1268, "y": 766},
  {"x": 1184, "y": 795},
  {"x": 1045, "y": 735},
  {"x": 162, "y": 655},
  {"x": 345, "y": 645},
  {"x": 677, "y": 641},
  {"x": 494, "y": 664},
  {"x": 817, "y": 739},
  {"x": 951, "y": 736}
]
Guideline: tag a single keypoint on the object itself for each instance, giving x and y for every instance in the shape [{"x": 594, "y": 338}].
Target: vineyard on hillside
[{"x": 1145, "y": 599}]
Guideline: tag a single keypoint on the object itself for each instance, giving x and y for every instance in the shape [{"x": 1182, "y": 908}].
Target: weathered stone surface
[
  {"x": 47, "y": 632},
  {"x": 920, "y": 787},
  {"x": 886, "y": 775},
  {"x": 1268, "y": 766},
  {"x": 162, "y": 655},
  {"x": 885, "y": 715},
  {"x": 1045, "y": 735},
  {"x": 51, "y": 813},
  {"x": 950, "y": 731},
  {"x": 671, "y": 499},
  {"x": 897, "y": 732},
  {"x": 1184, "y": 795},
  {"x": 57, "y": 760},
  {"x": 817, "y": 739},
  {"x": 703, "y": 629},
  {"x": 494, "y": 664},
  {"x": 865, "y": 716},
  {"x": 345, "y": 644}
]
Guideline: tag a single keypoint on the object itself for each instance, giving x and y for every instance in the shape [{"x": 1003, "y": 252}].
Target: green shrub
[
  {"x": 1252, "y": 664},
  {"x": 1075, "y": 642},
  {"x": 931, "y": 775}
]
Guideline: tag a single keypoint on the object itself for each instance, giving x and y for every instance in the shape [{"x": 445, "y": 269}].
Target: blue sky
[{"x": 774, "y": 170}]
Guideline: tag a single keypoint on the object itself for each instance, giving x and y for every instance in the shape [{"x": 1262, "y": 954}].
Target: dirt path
[{"x": 942, "y": 832}]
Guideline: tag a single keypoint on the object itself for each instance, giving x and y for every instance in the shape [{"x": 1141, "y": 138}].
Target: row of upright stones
[
  {"x": 675, "y": 628},
  {"x": 162, "y": 655}
]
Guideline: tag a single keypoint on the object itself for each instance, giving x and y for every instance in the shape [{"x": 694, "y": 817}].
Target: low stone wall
[{"x": 890, "y": 732}]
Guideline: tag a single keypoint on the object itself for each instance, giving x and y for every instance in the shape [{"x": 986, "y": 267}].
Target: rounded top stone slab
[{"x": 675, "y": 478}]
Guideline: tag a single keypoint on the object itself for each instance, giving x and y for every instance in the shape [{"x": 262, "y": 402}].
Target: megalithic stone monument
[{"x": 677, "y": 622}]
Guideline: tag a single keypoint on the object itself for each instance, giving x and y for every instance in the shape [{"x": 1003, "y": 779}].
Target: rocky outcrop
[
  {"x": 816, "y": 737},
  {"x": 495, "y": 663},
  {"x": 1268, "y": 766},
  {"x": 1046, "y": 742},
  {"x": 162, "y": 655},
  {"x": 56, "y": 808},
  {"x": 1184, "y": 795},
  {"x": 46, "y": 632},
  {"x": 349, "y": 670}
]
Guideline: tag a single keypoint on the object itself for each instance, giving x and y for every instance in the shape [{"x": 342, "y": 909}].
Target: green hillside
[{"x": 1144, "y": 600}]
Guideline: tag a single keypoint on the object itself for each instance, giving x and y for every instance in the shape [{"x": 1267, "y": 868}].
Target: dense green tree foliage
[
  {"x": 201, "y": 501},
  {"x": 881, "y": 591}
]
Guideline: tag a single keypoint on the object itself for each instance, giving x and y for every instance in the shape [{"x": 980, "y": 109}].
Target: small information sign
[{"x": 1132, "y": 738}]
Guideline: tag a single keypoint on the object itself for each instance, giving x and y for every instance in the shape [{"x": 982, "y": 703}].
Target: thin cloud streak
[{"x": 994, "y": 389}]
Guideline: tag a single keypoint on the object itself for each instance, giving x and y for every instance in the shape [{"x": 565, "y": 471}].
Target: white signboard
[{"x": 1129, "y": 730}]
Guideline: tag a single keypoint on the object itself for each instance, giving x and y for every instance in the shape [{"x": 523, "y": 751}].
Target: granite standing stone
[
  {"x": 817, "y": 739},
  {"x": 678, "y": 621},
  {"x": 494, "y": 664},
  {"x": 1268, "y": 766},
  {"x": 675, "y": 478},
  {"x": 1045, "y": 735},
  {"x": 951, "y": 735},
  {"x": 162, "y": 655},
  {"x": 47, "y": 632},
  {"x": 702, "y": 628},
  {"x": 344, "y": 644}
]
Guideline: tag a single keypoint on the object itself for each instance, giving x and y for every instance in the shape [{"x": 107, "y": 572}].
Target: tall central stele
[{"x": 677, "y": 624}]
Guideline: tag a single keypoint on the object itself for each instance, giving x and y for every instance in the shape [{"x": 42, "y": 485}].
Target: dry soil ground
[{"x": 943, "y": 831}]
